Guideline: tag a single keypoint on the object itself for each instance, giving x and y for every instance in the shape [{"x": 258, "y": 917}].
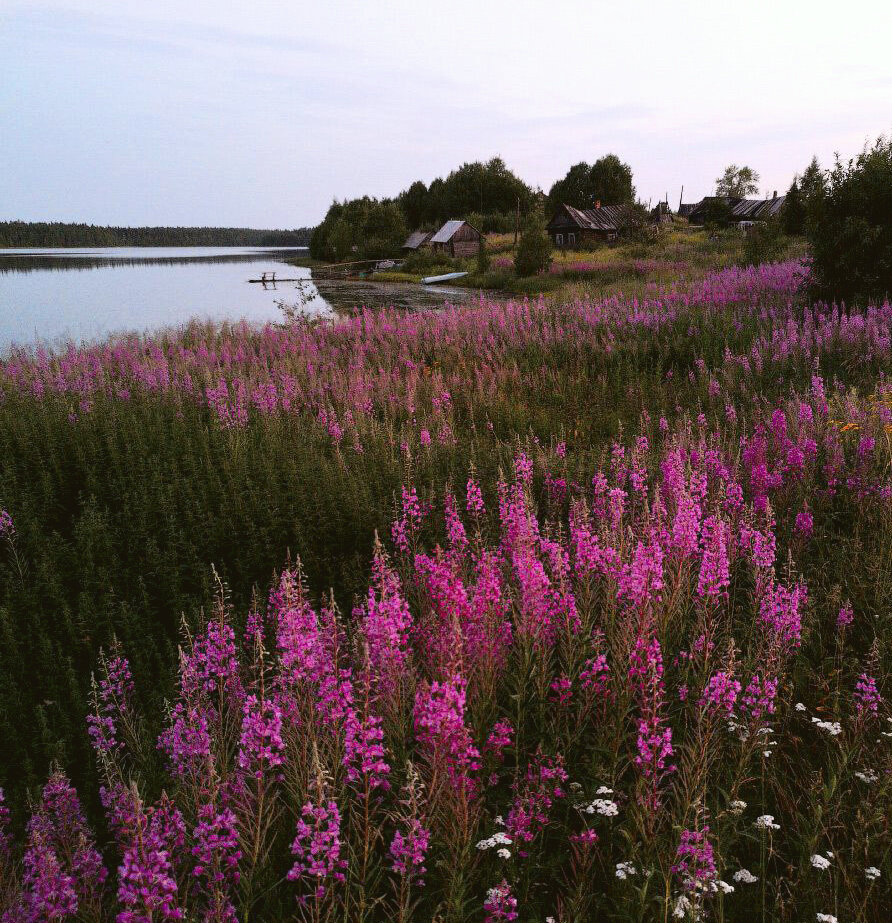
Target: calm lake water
[{"x": 53, "y": 296}]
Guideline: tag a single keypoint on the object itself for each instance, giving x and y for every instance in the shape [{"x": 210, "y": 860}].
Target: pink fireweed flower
[
  {"x": 407, "y": 851},
  {"x": 7, "y": 527},
  {"x": 217, "y": 856},
  {"x": 317, "y": 848},
  {"x": 845, "y": 617},
  {"x": 386, "y": 623},
  {"x": 64, "y": 872},
  {"x": 441, "y": 731},
  {"x": 406, "y": 527},
  {"x": 867, "y": 697},
  {"x": 212, "y": 663},
  {"x": 720, "y": 694},
  {"x": 500, "y": 904},
  {"x": 147, "y": 887},
  {"x": 642, "y": 581},
  {"x": 759, "y": 696},
  {"x": 500, "y": 738},
  {"x": 594, "y": 677},
  {"x": 534, "y": 797},
  {"x": 455, "y": 530},
  {"x": 694, "y": 860},
  {"x": 560, "y": 691},
  {"x": 364, "y": 751},
  {"x": 260, "y": 745},
  {"x": 779, "y": 614},
  {"x": 715, "y": 575},
  {"x": 523, "y": 468},
  {"x": 187, "y": 741},
  {"x": 474, "y": 504},
  {"x": 111, "y": 701},
  {"x": 804, "y": 524},
  {"x": 686, "y": 527}
]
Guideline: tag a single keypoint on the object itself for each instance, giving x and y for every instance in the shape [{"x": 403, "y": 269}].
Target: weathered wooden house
[
  {"x": 742, "y": 211},
  {"x": 416, "y": 240},
  {"x": 571, "y": 227},
  {"x": 457, "y": 238}
]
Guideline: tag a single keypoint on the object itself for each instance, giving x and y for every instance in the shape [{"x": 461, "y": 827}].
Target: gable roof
[
  {"x": 757, "y": 209},
  {"x": 605, "y": 218},
  {"x": 444, "y": 235},
  {"x": 416, "y": 239}
]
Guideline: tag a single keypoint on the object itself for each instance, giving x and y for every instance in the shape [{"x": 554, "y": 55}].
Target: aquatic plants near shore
[{"x": 563, "y": 699}]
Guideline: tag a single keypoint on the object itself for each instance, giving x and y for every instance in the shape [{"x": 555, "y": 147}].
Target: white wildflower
[
  {"x": 766, "y": 753},
  {"x": 799, "y": 707},
  {"x": 737, "y": 807},
  {"x": 497, "y": 839},
  {"x": 624, "y": 870},
  {"x": 724, "y": 887},
  {"x": 869, "y": 776},
  {"x": 766, "y": 822},
  {"x": 745, "y": 876},
  {"x": 819, "y": 862},
  {"x": 503, "y": 853},
  {"x": 603, "y": 790},
  {"x": 682, "y": 906},
  {"x": 499, "y": 820},
  {"x": 602, "y": 806},
  {"x": 826, "y": 918},
  {"x": 575, "y": 786},
  {"x": 872, "y": 873},
  {"x": 833, "y": 728}
]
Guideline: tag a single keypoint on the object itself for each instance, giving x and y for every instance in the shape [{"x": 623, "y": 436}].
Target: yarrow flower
[
  {"x": 745, "y": 876},
  {"x": 820, "y": 862},
  {"x": 766, "y": 822},
  {"x": 625, "y": 870}
]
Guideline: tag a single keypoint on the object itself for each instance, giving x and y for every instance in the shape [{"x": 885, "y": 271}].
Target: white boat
[{"x": 448, "y": 277}]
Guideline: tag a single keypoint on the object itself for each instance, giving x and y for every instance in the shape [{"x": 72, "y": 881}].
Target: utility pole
[
  {"x": 516, "y": 222},
  {"x": 680, "y": 196}
]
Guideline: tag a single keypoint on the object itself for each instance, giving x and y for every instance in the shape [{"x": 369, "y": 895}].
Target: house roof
[
  {"x": 444, "y": 235},
  {"x": 757, "y": 209},
  {"x": 416, "y": 239},
  {"x": 605, "y": 218}
]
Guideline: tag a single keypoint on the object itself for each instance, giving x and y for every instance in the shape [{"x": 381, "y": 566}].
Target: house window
[
  {"x": 571, "y": 239},
  {"x": 559, "y": 239}
]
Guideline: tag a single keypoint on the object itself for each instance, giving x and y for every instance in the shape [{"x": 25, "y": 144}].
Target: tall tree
[
  {"x": 737, "y": 182},
  {"x": 413, "y": 202},
  {"x": 608, "y": 181}
]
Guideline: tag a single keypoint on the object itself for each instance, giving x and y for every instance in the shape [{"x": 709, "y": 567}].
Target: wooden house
[
  {"x": 741, "y": 211},
  {"x": 416, "y": 240},
  {"x": 457, "y": 238},
  {"x": 571, "y": 227}
]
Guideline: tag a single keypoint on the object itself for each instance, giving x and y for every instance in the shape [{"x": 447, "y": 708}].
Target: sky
[{"x": 213, "y": 112}]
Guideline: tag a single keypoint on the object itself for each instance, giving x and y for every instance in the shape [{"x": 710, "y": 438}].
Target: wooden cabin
[
  {"x": 574, "y": 227},
  {"x": 457, "y": 238},
  {"x": 416, "y": 240}
]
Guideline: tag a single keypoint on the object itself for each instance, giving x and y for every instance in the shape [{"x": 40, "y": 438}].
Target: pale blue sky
[{"x": 260, "y": 113}]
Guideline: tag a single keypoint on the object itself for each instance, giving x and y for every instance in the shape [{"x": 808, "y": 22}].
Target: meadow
[{"x": 532, "y": 609}]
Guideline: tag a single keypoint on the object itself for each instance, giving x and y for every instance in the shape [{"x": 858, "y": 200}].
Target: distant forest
[{"x": 59, "y": 234}]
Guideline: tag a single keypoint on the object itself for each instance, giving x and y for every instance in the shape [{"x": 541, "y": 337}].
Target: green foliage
[
  {"x": 533, "y": 249},
  {"x": 765, "y": 242},
  {"x": 482, "y": 256},
  {"x": 489, "y": 191},
  {"x": 849, "y": 226},
  {"x": 793, "y": 212},
  {"x": 737, "y": 182},
  {"x": 716, "y": 212},
  {"x": 359, "y": 229},
  {"x": 607, "y": 180},
  {"x": 60, "y": 234}
]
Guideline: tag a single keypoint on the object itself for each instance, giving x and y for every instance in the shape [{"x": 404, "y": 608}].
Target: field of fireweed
[{"x": 579, "y": 612}]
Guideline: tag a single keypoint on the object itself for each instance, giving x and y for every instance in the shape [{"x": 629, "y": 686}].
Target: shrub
[
  {"x": 850, "y": 227},
  {"x": 765, "y": 242},
  {"x": 534, "y": 249}
]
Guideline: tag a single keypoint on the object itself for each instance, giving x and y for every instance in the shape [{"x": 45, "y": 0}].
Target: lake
[{"x": 53, "y": 296}]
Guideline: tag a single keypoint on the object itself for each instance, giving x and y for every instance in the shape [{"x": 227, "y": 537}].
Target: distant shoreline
[{"x": 57, "y": 234}]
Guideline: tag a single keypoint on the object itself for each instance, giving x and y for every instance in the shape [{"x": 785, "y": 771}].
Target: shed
[
  {"x": 416, "y": 240},
  {"x": 572, "y": 226},
  {"x": 457, "y": 238}
]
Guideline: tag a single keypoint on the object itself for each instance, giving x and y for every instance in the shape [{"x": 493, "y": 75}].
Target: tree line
[
  {"x": 63, "y": 234},
  {"x": 487, "y": 194}
]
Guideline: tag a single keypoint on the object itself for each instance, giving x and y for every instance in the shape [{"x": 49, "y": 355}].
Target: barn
[
  {"x": 571, "y": 227},
  {"x": 457, "y": 238}
]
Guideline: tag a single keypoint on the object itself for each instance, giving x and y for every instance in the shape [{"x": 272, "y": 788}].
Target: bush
[
  {"x": 850, "y": 227},
  {"x": 765, "y": 242},
  {"x": 534, "y": 249}
]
